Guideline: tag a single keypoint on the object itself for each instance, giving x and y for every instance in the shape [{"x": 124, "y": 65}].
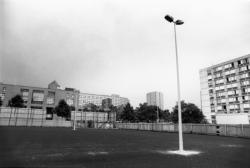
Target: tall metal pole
[
  {"x": 179, "y": 95},
  {"x": 157, "y": 120},
  {"x": 76, "y": 109}
]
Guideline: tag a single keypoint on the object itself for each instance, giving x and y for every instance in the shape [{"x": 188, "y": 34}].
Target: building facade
[
  {"x": 87, "y": 98},
  {"x": 106, "y": 103},
  {"x": 225, "y": 88},
  {"x": 155, "y": 99},
  {"x": 48, "y": 98}
]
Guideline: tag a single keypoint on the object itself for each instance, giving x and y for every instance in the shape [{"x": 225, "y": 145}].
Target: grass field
[{"x": 62, "y": 147}]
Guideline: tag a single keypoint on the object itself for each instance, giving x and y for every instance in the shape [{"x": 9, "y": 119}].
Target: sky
[{"x": 123, "y": 47}]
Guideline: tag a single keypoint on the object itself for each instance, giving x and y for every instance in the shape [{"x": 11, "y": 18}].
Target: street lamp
[
  {"x": 158, "y": 118},
  {"x": 76, "y": 109},
  {"x": 177, "y": 22}
]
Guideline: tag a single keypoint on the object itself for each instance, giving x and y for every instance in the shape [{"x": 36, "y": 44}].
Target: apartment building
[
  {"x": 48, "y": 98},
  {"x": 225, "y": 88},
  {"x": 155, "y": 99},
  {"x": 87, "y": 98}
]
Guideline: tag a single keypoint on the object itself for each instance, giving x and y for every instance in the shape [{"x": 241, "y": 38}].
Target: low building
[
  {"x": 106, "y": 104},
  {"x": 87, "y": 98},
  {"x": 48, "y": 98}
]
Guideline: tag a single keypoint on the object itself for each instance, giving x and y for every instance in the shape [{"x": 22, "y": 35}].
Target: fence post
[
  {"x": 10, "y": 116},
  {"x": 191, "y": 127},
  {"x": 32, "y": 114},
  {"x": 242, "y": 130},
  {"x": 205, "y": 128},
  {"x": 42, "y": 118},
  {"x": 27, "y": 118},
  {"x": 225, "y": 129},
  {"x": 217, "y": 130},
  {"x": 16, "y": 110},
  {"x": 85, "y": 121}
]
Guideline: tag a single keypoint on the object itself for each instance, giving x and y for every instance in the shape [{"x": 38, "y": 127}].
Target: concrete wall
[
  {"x": 237, "y": 118},
  {"x": 208, "y": 129},
  {"x": 29, "y": 117},
  {"x": 37, "y": 117},
  {"x": 94, "y": 116}
]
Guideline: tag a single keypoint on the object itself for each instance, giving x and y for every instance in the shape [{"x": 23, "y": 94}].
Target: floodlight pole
[
  {"x": 177, "y": 22},
  {"x": 76, "y": 108},
  {"x": 179, "y": 94},
  {"x": 157, "y": 120}
]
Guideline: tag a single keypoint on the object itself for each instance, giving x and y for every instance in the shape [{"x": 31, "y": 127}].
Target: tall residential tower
[
  {"x": 155, "y": 99},
  {"x": 225, "y": 88}
]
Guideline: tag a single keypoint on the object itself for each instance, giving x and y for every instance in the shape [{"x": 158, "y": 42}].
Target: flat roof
[
  {"x": 226, "y": 62},
  {"x": 59, "y": 89}
]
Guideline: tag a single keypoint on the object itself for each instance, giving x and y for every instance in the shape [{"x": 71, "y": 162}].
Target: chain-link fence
[
  {"x": 38, "y": 117},
  {"x": 209, "y": 129}
]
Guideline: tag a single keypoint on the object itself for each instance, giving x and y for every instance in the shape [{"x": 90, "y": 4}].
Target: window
[
  {"x": 233, "y": 92},
  {"x": 233, "y": 106},
  {"x": 246, "y": 105},
  {"x": 232, "y": 78},
  {"x": 219, "y": 87},
  {"x": 232, "y": 99},
  {"x": 220, "y": 94},
  {"x": 2, "y": 96},
  {"x": 247, "y": 90},
  {"x": 232, "y": 71},
  {"x": 36, "y": 107},
  {"x": 243, "y": 61},
  {"x": 219, "y": 107},
  {"x": 51, "y": 98},
  {"x": 228, "y": 66},
  {"x": 218, "y": 68},
  {"x": 243, "y": 68},
  {"x": 232, "y": 85},
  {"x": 245, "y": 82},
  {"x": 227, "y": 72},
  {"x": 218, "y": 75},
  {"x": 245, "y": 75},
  {"x": 223, "y": 100},
  {"x": 245, "y": 98},
  {"x": 219, "y": 81},
  {"x": 25, "y": 95},
  {"x": 37, "y": 96}
]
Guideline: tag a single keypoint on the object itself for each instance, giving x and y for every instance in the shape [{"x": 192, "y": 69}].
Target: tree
[
  {"x": 1, "y": 102},
  {"x": 16, "y": 101},
  {"x": 63, "y": 109},
  {"x": 190, "y": 113},
  {"x": 93, "y": 107},
  {"x": 72, "y": 108},
  {"x": 128, "y": 113},
  {"x": 165, "y": 115},
  {"x": 146, "y": 113},
  {"x": 119, "y": 112},
  {"x": 90, "y": 107}
]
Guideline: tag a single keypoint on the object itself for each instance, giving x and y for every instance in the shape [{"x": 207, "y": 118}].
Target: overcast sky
[{"x": 123, "y": 47}]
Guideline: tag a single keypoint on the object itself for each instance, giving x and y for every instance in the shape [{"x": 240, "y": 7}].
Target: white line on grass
[{"x": 97, "y": 153}]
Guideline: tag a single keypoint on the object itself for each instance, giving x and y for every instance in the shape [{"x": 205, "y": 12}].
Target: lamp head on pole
[
  {"x": 179, "y": 22},
  {"x": 169, "y": 18}
]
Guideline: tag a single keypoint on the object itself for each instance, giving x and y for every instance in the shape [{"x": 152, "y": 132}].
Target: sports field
[{"x": 62, "y": 147}]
